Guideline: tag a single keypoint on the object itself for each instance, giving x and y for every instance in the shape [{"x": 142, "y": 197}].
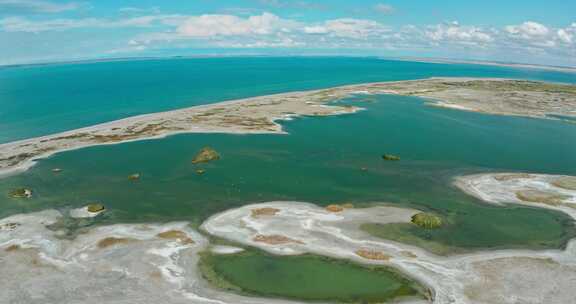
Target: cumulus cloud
[
  {"x": 528, "y": 30},
  {"x": 567, "y": 35},
  {"x": 267, "y": 30},
  {"x": 36, "y": 6},
  {"x": 348, "y": 28},
  {"x": 538, "y": 38},
  {"x": 454, "y": 32},
  {"x": 230, "y": 25}
]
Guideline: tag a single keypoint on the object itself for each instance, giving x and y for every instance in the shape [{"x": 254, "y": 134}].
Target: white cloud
[
  {"x": 20, "y": 24},
  {"x": 537, "y": 38},
  {"x": 315, "y": 30},
  {"x": 267, "y": 30},
  {"x": 36, "y": 6},
  {"x": 230, "y": 25},
  {"x": 348, "y": 28},
  {"x": 453, "y": 32},
  {"x": 528, "y": 30},
  {"x": 567, "y": 35},
  {"x": 384, "y": 8}
]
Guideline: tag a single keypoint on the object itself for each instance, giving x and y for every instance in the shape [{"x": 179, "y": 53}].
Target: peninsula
[{"x": 259, "y": 114}]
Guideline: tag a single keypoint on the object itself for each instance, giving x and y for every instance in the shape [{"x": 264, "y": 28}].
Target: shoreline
[
  {"x": 563, "y": 69},
  {"x": 517, "y": 65},
  {"x": 524, "y": 189},
  {"x": 260, "y": 115}
]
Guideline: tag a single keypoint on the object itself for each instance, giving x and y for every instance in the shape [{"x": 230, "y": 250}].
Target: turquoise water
[
  {"x": 320, "y": 161},
  {"x": 310, "y": 278},
  {"x": 40, "y": 100}
]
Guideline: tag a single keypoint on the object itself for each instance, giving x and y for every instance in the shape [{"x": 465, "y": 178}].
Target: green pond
[
  {"x": 321, "y": 161},
  {"x": 307, "y": 277}
]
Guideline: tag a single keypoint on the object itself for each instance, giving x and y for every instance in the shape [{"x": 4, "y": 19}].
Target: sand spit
[
  {"x": 565, "y": 69},
  {"x": 259, "y": 114},
  {"x": 522, "y": 276},
  {"x": 123, "y": 263},
  {"x": 537, "y": 190}
]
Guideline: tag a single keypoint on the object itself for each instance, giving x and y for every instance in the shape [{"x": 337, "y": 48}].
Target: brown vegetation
[
  {"x": 266, "y": 211},
  {"x": 178, "y": 235},
  {"x": 9, "y": 226},
  {"x": 334, "y": 208},
  {"x": 566, "y": 182},
  {"x": 372, "y": 254},
  {"x": 275, "y": 239},
  {"x": 511, "y": 176},
  {"x": 536, "y": 196},
  {"x": 112, "y": 241},
  {"x": 339, "y": 207},
  {"x": 12, "y": 248}
]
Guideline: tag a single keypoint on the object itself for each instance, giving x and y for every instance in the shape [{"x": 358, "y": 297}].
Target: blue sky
[{"x": 542, "y": 32}]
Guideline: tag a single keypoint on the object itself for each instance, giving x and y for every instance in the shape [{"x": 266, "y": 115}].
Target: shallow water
[
  {"x": 310, "y": 278},
  {"x": 320, "y": 161}
]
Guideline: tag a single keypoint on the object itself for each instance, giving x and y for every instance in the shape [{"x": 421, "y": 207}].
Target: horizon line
[{"x": 437, "y": 60}]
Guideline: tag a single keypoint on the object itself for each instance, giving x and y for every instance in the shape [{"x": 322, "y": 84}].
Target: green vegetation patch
[
  {"x": 390, "y": 157},
  {"x": 20, "y": 193},
  {"x": 95, "y": 207},
  {"x": 307, "y": 277},
  {"x": 427, "y": 220},
  {"x": 205, "y": 155}
]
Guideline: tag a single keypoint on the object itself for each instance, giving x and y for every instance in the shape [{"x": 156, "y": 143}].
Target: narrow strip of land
[{"x": 259, "y": 114}]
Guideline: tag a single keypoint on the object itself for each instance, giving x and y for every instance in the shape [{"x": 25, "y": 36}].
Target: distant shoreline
[
  {"x": 566, "y": 69},
  {"x": 516, "y": 65}
]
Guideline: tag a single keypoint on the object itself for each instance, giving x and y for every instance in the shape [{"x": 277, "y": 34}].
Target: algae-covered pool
[{"x": 308, "y": 277}]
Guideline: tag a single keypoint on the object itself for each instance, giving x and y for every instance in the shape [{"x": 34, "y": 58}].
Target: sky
[{"x": 527, "y": 31}]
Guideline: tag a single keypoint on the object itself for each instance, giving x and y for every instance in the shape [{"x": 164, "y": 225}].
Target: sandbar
[{"x": 259, "y": 115}]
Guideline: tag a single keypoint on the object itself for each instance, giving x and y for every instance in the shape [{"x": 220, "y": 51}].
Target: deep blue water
[{"x": 40, "y": 100}]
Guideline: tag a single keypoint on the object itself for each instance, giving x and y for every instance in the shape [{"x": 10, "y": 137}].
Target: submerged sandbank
[{"x": 259, "y": 114}]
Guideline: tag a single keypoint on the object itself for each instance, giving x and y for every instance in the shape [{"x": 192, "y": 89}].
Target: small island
[
  {"x": 207, "y": 154},
  {"x": 21, "y": 193}
]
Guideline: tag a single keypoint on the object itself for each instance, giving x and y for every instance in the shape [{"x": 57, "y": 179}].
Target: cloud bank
[{"x": 267, "y": 30}]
